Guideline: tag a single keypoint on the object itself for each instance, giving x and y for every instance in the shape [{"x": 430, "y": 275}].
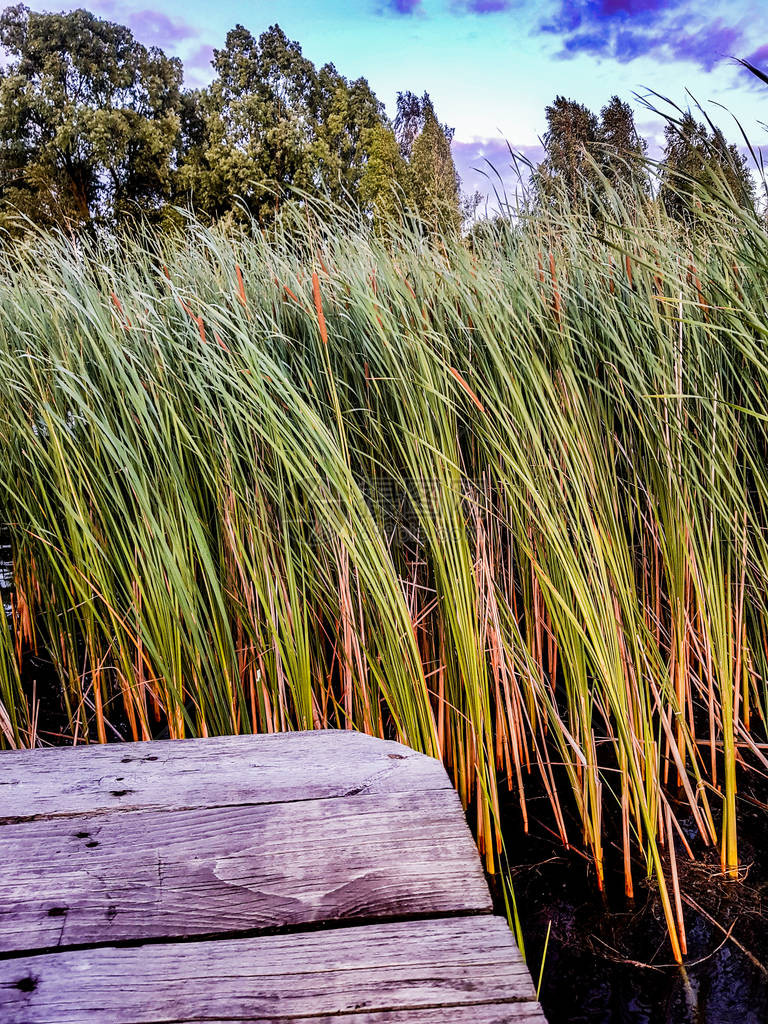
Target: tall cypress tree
[
  {"x": 385, "y": 184},
  {"x": 434, "y": 181}
]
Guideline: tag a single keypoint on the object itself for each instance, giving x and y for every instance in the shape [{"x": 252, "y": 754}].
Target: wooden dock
[{"x": 303, "y": 877}]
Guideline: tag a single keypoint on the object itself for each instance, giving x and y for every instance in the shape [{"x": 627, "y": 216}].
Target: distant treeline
[{"x": 96, "y": 128}]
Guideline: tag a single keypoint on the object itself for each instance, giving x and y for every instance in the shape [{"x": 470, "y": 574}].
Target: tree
[
  {"x": 248, "y": 138},
  {"x": 434, "y": 180},
  {"x": 696, "y": 160},
  {"x": 621, "y": 150},
  {"x": 89, "y": 119},
  {"x": 583, "y": 153},
  {"x": 385, "y": 182},
  {"x": 409, "y": 120},
  {"x": 345, "y": 113},
  {"x": 270, "y": 122},
  {"x": 426, "y": 143},
  {"x": 571, "y": 149}
]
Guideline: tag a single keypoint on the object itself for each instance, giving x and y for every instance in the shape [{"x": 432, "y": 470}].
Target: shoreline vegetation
[
  {"x": 291, "y": 439},
  {"x": 502, "y": 498}
]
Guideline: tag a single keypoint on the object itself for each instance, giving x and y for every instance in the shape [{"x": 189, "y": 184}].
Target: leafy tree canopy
[
  {"x": 89, "y": 119},
  {"x": 570, "y": 145},
  {"x": 270, "y": 121}
]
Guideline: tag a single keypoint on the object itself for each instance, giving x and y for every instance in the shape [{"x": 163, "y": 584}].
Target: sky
[{"x": 492, "y": 66}]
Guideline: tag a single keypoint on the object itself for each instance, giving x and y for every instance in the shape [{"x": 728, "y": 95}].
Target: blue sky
[{"x": 491, "y": 66}]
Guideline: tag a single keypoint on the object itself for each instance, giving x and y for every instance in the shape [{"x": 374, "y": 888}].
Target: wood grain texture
[
  {"x": 372, "y": 973},
  {"x": 476, "y": 1013},
  {"x": 218, "y": 842},
  {"x": 175, "y": 774},
  {"x": 142, "y": 875}
]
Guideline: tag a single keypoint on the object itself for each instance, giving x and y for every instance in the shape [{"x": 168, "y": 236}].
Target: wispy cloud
[
  {"x": 153, "y": 28},
  {"x": 402, "y": 7},
  {"x": 485, "y": 6},
  {"x": 488, "y": 166}
]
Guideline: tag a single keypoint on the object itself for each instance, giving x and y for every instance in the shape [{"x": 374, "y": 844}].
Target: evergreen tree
[
  {"x": 571, "y": 149},
  {"x": 89, "y": 120},
  {"x": 621, "y": 150},
  {"x": 385, "y": 182},
  {"x": 696, "y": 160},
  {"x": 425, "y": 143}
]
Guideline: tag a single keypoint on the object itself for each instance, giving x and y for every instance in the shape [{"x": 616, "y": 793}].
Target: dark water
[{"x": 608, "y": 961}]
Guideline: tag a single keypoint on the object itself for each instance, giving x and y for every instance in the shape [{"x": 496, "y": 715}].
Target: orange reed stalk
[
  {"x": 675, "y": 882},
  {"x": 700, "y": 295},
  {"x": 455, "y": 373},
  {"x": 319, "y": 307},
  {"x": 541, "y": 268},
  {"x": 119, "y": 307},
  {"x": 240, "y": 288}
]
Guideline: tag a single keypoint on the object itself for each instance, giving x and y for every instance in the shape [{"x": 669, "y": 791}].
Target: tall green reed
[{"x": 504, "y": 501}]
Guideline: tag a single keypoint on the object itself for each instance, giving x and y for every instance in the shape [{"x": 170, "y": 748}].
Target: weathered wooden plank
[
  {"x": 381, "y": 969},
  {"x": 220, "y": 839},
  {"x": 476, "y": 1013},
  {"x": 130, "y": 876},
  {"x": 210, "y": 772}
]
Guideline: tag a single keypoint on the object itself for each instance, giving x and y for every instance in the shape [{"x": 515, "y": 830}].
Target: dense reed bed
[{"x": 503, "y": 501}]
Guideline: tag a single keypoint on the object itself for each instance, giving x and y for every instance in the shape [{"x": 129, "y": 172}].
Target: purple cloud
[
  {"x": 158, "y": 29},
  {"x": 633, "y": 8},
  {"x": 573, "y": 14},
  {"x": 200, "y": 59},
  {"x": 153, "y": 28},
  {"x": 709, "y": 46},
  {"x": 488, "y": 166},
  {"x": 759, "y": 57},
  {"x": 486, "y": 6},
  {"x": 197, "y": 66},
  {"x": 705, "y": 48},
  {"x": 624, "y": 30},
  {"x": 403, "y": 6}
]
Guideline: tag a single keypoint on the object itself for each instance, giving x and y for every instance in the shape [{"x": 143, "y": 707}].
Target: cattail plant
[{"x": 502, "y": 499}]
